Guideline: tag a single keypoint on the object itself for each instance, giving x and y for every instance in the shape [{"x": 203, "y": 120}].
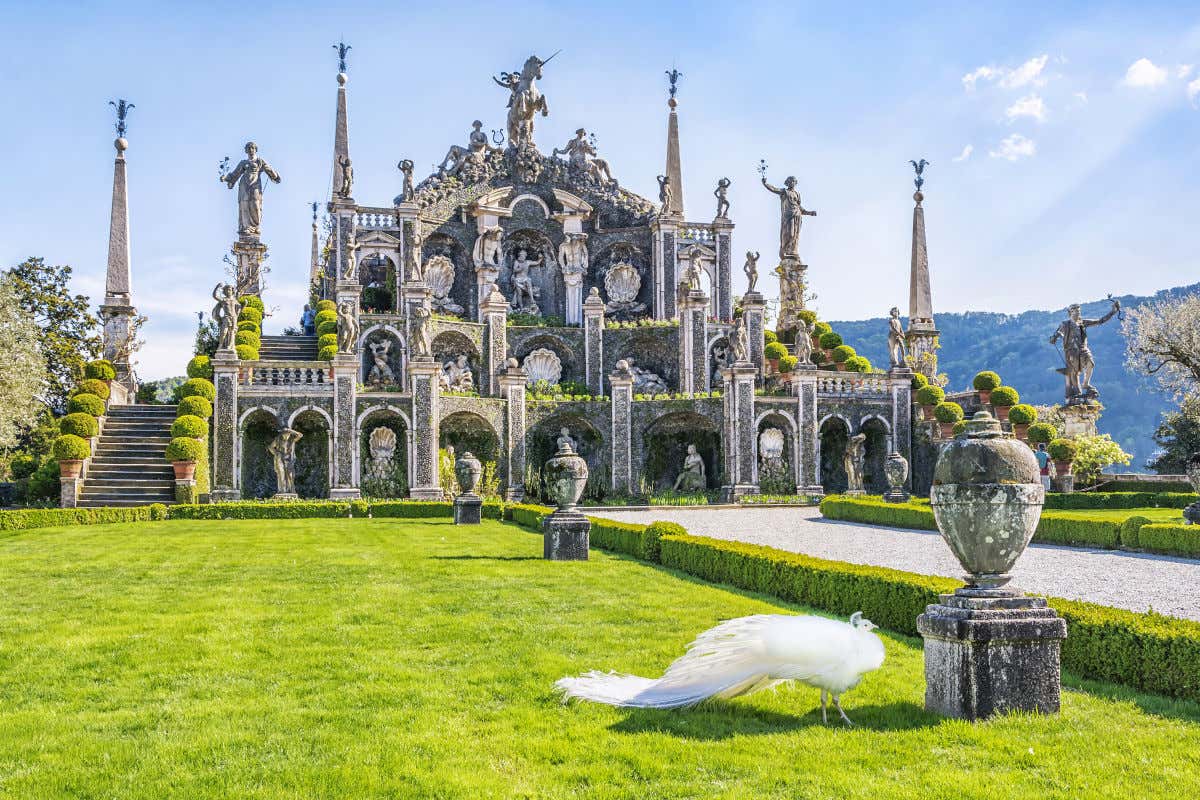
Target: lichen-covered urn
[
  {"x": 468, "y": 471},
  {"x": 987, "y": 497},
  {"x": 565, "y": 477},
  {"x": 896, "y": 470}
]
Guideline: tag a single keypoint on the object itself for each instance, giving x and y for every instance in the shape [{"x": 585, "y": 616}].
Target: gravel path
[{"x": 1124, "y": 580}]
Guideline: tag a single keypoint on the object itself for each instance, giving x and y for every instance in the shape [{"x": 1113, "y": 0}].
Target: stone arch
[
  {"x": 877, "y": 446},
  {"x": 777, "y": 477},
  {"x": 464, "y": 291},
  {"x": 545, "y": 276},
  {"x": 397, "y": 355},
  {"x": 380, "y": 480},
  {"x": 377, "y": 272},
  {"x": 649, "y": 349},
  {"x": 664, "y": 447},
  {"x": 533, "y": 198},
  {"x": 718, "y": 358},
  {"x": 541, "y": 442},
  {"x": 571, "y": 370},
  {"x": 466, "y": 430},
  {"x": 257, "y": 426},
  {"x": 314, "y": 451},
  {"x": 834, "y": 437}
]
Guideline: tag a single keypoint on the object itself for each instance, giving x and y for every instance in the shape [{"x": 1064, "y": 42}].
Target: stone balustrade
[
  {"x": 286, "y": 376},
  {"x": 696, "y": 232},
  {"x": 376, "y": 219},
  {"x": 840, "y": 384}
]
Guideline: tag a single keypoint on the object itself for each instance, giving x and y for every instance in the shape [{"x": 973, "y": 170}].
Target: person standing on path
[{"x": 1043, "y": 459}]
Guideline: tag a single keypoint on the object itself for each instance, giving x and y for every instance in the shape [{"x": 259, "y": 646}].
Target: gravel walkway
[{"x": 1124, "y": 580}]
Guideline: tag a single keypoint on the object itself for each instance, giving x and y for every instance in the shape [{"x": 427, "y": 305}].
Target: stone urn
[
  {"x": 895, "y": 469},
  {"x": 468, "y": 471},
  {"x": 987, "y": 497},
  {"x": 565, "y": 476},
  {"x": 1192, "y": 512}
]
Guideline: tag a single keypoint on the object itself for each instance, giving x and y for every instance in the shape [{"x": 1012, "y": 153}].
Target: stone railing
[
  {"x": 695, "y": 233},
  {"x": 852, "y": 384},
  {"x": 287, "y": 376},
  {"x": 376, "y": 218}
]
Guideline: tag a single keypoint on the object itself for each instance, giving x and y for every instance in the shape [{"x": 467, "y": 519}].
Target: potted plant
[
  {"x": 786, "y": 365},
  {"x": 1004, "y": 398},
  {"x": 1022, "y": 415},
  {"x": 947, "y": 413},
  {"x": 919, "y": 381},
  {"x": 828, "y": 341},
  {"x": 70, "y": 451},
  {"x": 984, "y": 383},
  {"x": 183, "y": 452},
  {"x": 819, "y": 329},
  {"x": 773, "y": 352},
  {"x": 1042, "y": 433},
  {"x": 841, "y": 354},
  {"x": 928, "y": 397},
  {"x": 1063, "y": 452}
]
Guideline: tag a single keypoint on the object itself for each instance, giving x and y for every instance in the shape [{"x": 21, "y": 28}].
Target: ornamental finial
[
  {"x": 123, "y": 109},
  {"x": 673, "y": 75},
  {"x": 342, "y": 49},
  {"x": 919, "y": 168}
]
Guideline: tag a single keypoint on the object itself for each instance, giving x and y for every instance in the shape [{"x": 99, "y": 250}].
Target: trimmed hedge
[
  {"x": 770, "y": 336},
  {"x": 101, "y": 369},
  {"x": 198, "y": 387},
  {"x": 93, "y": 386},
  {"x": 246, "y": 352},
  {"x": 195, "y": 406},
  {"x": 250, "y": 314},
  {"x": 327, "y": 353},
  {"x": 252, "y": 301},
  {"x": 788, "y": 363},
  {"x": 250, "y": 338},
  {"x": 326, "y": 340},
  {"x": 325, "y": 316},
  {"x": 326, "y": 328},
  {"x": 247, "y": 325},
  {"x": 84, "y": 426},
  {"x": 1170, "y": 538},
  {"x": 1062, "y": 449},
  {"x": 1095, "y": 501},
  {"x": 918, "y": 382},
  {"x": 86, "y": 404},
  {"x": 26, "y": 518},
  {"x": 841, "y": 353},
  {"x": 200, "y": 367},
  {"x": 830, "y": 340},
  {"x": 326, "y": 305}
]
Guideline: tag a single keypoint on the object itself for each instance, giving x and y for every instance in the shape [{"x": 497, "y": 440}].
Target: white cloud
[
  {"x": 1031, "y": 106},
  {"x": 1028, "y": 73},
  {"x": 1183, "y": 70},
  {"x": 1193, "y": 90},
  {"x": 1081, "y": 96},
  {"x": 983, "y": 73},
  {"x": 1144, "y": 74},
  {"x": 965, "y": 154},
  {"x": 1014, "y": 147}
]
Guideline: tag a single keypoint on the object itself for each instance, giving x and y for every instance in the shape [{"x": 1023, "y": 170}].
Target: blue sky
[{"x": 1065, "y": 142}]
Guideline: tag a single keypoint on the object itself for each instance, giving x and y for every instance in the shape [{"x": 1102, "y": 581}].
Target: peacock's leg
[
  {"x": 824, "y": 718},
  {"x": 837, "y": 703}
]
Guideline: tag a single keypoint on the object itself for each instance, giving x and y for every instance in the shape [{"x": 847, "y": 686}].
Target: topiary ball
[
  {"x": 252, "y": 301},
  {"x": 858, "y": 364},
  {"x": 930, "y": 395},
  {"x": 327, "y": 353},
  {"x": 71, "y": 448},
  {"x": 1041, "y": 432},
  {"x": 788, "y": 363},
  {"x": 188, "y": 425},
  {"x": 1005, "y": 396},
  {"x": 775, "y": 351},
  {"x": 84, "y": 426},
  {"x": 101, "y": 369},
  {"x": 248, "y": 337},
  {"x": 820, "y": 329},
  {"x": 326, "y": 305},
  {"x": 250, "y": 314},
  {"x": 919, "y": 381},
  {"x": 1022, "y": 414},
  {"x": 841, "y": 353},
  {"x": 248, "y": 326},
  {"x": 86, "y": 404},
  {"x": 325, "y": 328},
  {"x": 985, "y": 381},
  {"x": 195, "y": 406},
  {"x": 808, "y": 316},
  {"x": 184, "y": 448},
  {"x": 770, "y": 336},
  {"x": 830, "y": 340},
  {"x": 327, "y": 340},
  {"x": 198, "y": 387},
  {"x": 200, "y": 367},
  {"x": 247, "y": 352},
  {"x": 948, "y": 412},
  {"x": 325, "y": 316},
  {"x": 960, "y": 427},
  {"x": 1062, "y": 449},
  {"x": 93, "y": 386}
]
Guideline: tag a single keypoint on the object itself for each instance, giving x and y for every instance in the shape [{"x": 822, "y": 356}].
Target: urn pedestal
[
  {"x": 566, "y": 532},
  {"x": 895, "y": 469},
  {"x": 468, "y": 506}
]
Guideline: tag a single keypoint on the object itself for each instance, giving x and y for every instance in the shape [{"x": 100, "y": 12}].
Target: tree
[
  {"x": 1163, "y": 340},
  {"x": 1178, "y": 436},
  {"x": 1093, "y": 454},
  {"x": 23, "y": 374},
  {"x": 69, "y": 331}
]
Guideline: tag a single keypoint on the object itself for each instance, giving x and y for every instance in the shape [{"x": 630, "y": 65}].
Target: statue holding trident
[
  {"x": 248, "y": 175},
  {"x": 526, "y": 100}
]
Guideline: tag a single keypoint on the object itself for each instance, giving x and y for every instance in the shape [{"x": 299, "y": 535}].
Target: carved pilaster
[
  {"x": 741, "y": 441},
  {"x": 345, "y": 440},
  {"x": 754, "y": 312},
  {"x": 621, "y": 381},
  {"x": 494, "y": 311},
  {"x": 593, "y": 342},
  {"x": 724, "y": 242},
  {"x": 804, "y": 386},
  {"x": 225, "y": 478},
  {"x": 423, "y": 376},
  {"x": 665, "y": 281},
  {"x": 901, "y": 391},
  {"x": 693, "y": 342},
  {"x": 512, "y": 388}
]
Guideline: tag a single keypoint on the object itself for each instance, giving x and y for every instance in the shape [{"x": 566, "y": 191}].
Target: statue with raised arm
[
  {"x": 225, "y": 313},
  {"x": 895, "y": 340},
  {"x": 853, "y": 460},
  {"x": 351, "y": 270},
  {"x": 381, "y": 372},
  {"x": 803, "y": 347},
  {"x": 348, "y": 328},
  {"x": 486, "y": 252},
  {"x": 525, "y": 100},
  {"x": 283, "y": 453},
  {"x": 407, "y": 193},
  {"x": 791, "y": 217},
  {"x": 664, "y": 193},
  {"x": 248, "y": 176},
  {"x": 473, "y": 156},
  {"x": 751, "y": 270},
  {"x": 524, "y": 296},
  {"x": 721, "y": 193},
  {"x": 422, "y": 332},
  {"x": 1079, "y": 364}
]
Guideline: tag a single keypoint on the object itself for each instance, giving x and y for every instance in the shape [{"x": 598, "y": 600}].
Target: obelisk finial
[
  {"x": 123, "y": 108},
  {"x": 342, "y": 49},
  {"x": 919, "y": 181}
]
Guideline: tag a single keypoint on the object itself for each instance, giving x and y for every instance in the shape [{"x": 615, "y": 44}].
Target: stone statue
[
  {"x": 407, "y": 193},
  {"x": 852, "y": 461},
  {"x": 350, "y": 273},
  {"x": 582, "y": 160},
  {"x": 720, "y": 360},
  {"x": 456, "y": 375},
  {"x": 739, "y": 342},
  {"x": 751, "y": 270},
  {"x": 382, "y": 445},
  {"x": 348, "y": 328},
  {"x": 564, "y": 437},
  {"x": 347, "y": 177},
  {"x": 525, "y": 100},
  {"x": 381, "y": 373},
  {"x": 524, "y": 294},
  {"x": 791, "y": 217},
  {"x": 664, "y": 193},
  {"x": 692, "y": 478},
  {"x": 647, "y": 381},
  {"x": 471, "y": 158},
  {"x": 412, "y": 254},
  {"x": 722, "y": 198},
  {"x": 422, "y": 332},
  {"x": 896, "y": 346},
  {"x": 486, "y": 252},
  {"x": 573, "y": 257},
  {"x": 248, "y": 175},
  {"x": 225, "y": 312},
  {"x": 1077, "y": 356},
  {"x": 283, "y": 453},
  {"x": 804, "y": 347},
  {"x": 690, "y": 279}
]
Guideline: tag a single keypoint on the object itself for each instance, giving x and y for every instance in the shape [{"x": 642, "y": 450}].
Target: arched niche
[
  {"x": 449, "y": 345},
  {"x": 650, "y": 348},
  {"x": 567, "y": 356},
  {"x": 383, "y": 477},
  {"x": 776, "y": 474},
  {"x": 835, "y": 437},
  {"x": 257, "y": 428},
  {"x": 664, "y": 448},
  {"x": 545, "y": 276},
  {"x": 464, "y": 291},
  {"x": 876, "y": 449},
  {"x": 396, "y": 357},
  {"x": 377, "y": 274},
  {"x": 468, "y": 431},
  {"x": 541, "y": 442},
  {"x": 312, "y": 454}
]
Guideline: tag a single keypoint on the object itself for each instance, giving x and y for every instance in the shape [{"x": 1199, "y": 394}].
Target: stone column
[
  {"x": 754, "y": 311},
  {"x": 573, "y": 284},
  {"x": 693, "y": 342},
  {"x": 406, "y": 220},
  {"x": 249, "y": 252},
  {"x": 621, "y": 409},
  {"x": 900, "y": 380},
  {"x": 225, "y": 474},
  {"x": 344, "y": 433},
  {"x": 512, "y": 388},
  {"x": 741, "y": 440},
  {"x": 68, "y": 492},
  {"x": 423, "y": 377},
  {"x": 494, "y": 311},
  {"x": 593, "y": 342},
  {"x": 723, "y": 235},
  {"x": 665, "y": 267},
  {"x": 804, "y": 386}
]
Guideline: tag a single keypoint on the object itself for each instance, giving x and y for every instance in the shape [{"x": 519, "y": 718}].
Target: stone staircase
[
  {"x": 128, "y": 468},
  {"x": 288, "y": 348}
]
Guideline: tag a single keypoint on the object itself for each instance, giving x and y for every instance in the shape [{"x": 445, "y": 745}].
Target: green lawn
[{"x": 390, "y": 658}]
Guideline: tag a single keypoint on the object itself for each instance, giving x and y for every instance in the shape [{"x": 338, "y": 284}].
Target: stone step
[
  {"x": 117, "y": 502},
  {"x": 126, "y": 485}
]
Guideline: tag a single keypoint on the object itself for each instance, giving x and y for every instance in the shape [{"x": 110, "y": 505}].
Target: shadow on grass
[
  {"x": 1151, "y": 704},
  {"x": 721, "y": 720}
]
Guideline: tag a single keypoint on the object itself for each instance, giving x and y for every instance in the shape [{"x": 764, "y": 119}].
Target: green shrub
[
  {"x": 1075, "y": 528},
  {"x": 842, "y": 352},
  {"x": 788, "y": 363},
  {"x": 1062, "y": 449},
  {"x": 247, "y": 352},
  {"x": 249, "y": 338},
  {"x": 279, "y": 509},
  {"x": 1118, "y": 500},
  {"x": 93, "y": 386},
  {"x": 651, "y": 544},
  {"x": 1131, "y": 530},
  {"x": 84, "y": 426},
  {"x": 200, "y": 367},
  {"x": 250, "y": 314},
  {"x": 246, "y": 325},
  {"x": 195, "y": 406},
  {"x": 325, "y": 328},
  {"x": 858, "y": 364},
  {"x": 327, "y": 353},
  {"x": 775, "y": 350},
  {"x": 189, "y": 426},
  {"x": 808, "y": 316},
  {"x": 960, "y": 427},
  {"x": 69, "y": 447},
  {"x": 86, "y": 404},
  {"x": 327, "y": 340},
  {"x": 621, "y": 537},
  {"x": 830, "y": 340},
  {"x": 919, "y": 381},
  {"x": 326, "y": 305},
  {"x": 930, "y": 395},
  {"x": 101, "y": 369},
  {"x": 1170, "y": 538},
  {"x": 22, "y": 465},
  {"x": 874, "y": 511},
  {"x": 770, "y": 336},
  {"x": 820, "y": 329},
  {"x": 252, "y": 301},
  {"x": 198, "y": 387},
  {"x": 947, "y": 412},
  {"x": 1042, "y": 432},
  {"x": 1022, "y": 413},
  {"x": 325, "y": 316},
  {"x": 1005, "y": 396},
  {"x": 25, "y": 519},
  {"x": 184, "y": 448},
  {"x": 985, "y": 381}
]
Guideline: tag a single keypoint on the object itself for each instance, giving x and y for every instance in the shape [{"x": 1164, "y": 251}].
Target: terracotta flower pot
[
  {"x": 1062, "y": 467},
  {"x": 1002, "y": 413},
  {"x": 1021, "y": 430},
  {"x": 927, "y": 412},
  {"x": 841, "y": 366},
  {"x": 946, "y": 429},
  {"x": 70, "y": 468},
  {"x": 985, "y": 396},
  {"x": 774, "y": 362},
  {"x": 184, "y": 470}
]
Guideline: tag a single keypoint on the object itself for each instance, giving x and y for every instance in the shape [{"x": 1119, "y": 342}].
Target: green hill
[{"x": 1017, "y": 346}]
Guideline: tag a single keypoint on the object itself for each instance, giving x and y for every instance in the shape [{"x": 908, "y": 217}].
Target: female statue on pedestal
[
  {"x": 791, "y": 217},
  {"x": 248, "y": 175}
]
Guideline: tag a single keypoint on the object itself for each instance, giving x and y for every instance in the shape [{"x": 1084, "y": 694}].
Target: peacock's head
[{"x": 859, "y": 623}]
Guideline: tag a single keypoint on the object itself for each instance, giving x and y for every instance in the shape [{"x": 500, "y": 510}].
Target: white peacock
[{"x": 542, "y": 365}]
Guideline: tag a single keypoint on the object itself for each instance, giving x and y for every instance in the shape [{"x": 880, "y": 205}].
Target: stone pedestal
[
  {"x": 723, "y": 238},
  {"x": 593, "y": 342},
  {"x": 68, "y": 496},
  {"x": 754, "y": 312},
  {"x": 468, "y": 509},
  {"x": 741, "y": 436},
  {"x": 512, "y": 389},
  {"x": 185, "y": 491},
  {"x": 1079, "y": 419},
  {"x": 693, "y": 342},
  {"x": 423, "y": 373},
  {"x": 988, "y": 651},
  {"x": 249, "y": 252},
  {"x": 493, "y": 310},
  {"x": 565, "y": 536},
  {"x": 1063, "y": 484},
  {"x": 225, "y": 477},
  {"x": 621, "y": 408}
]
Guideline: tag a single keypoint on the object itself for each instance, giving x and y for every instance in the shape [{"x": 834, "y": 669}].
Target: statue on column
[
  {"x": 573, "y": 258},
  {"x": 722, "y": 198},
  {"x": 225, "y": 314},
  {"x": 791, "y": 217},
  {"x": 348, "y": 328},
  {"x": 422, "y": 332},
  {"x": 739, "y": 342},
  {"x": 407, "y": 193},
  {"x": 751, "y": 270},
  {"x": 350, "y": 273},
  {"x": 486, "y": 252},
  {"x": 895, "y": 340},
  {"x": 664, "y": 193},
  {"x": 344, "y": 190},
  {"x": 1077, "y": 356},
  {"x": 248, "y": 175},
  {"x": 803, "y": 347},
  {"x": 283, "y": 453}
]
